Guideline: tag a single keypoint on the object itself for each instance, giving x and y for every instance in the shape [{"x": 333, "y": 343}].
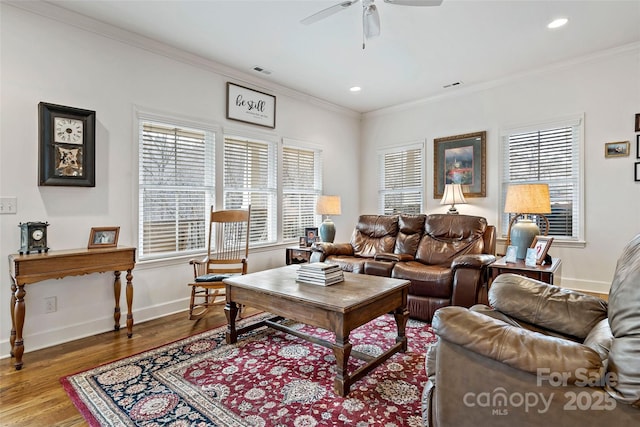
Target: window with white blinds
[
  {"x": 176, "y": 188},
  {"x": 301, "y": 186},
  {"x": 401, "y": 180},
  {"x": 548, "y": 154},
  {"x": 250, "y": 179}
]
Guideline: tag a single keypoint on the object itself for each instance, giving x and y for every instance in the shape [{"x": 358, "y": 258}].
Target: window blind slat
[
  {"x": 250, "y": 179},
  {"x": 548, "y": 156},
  {"x": 176, "y": 188},
  {"x": 401, "y": 181}
]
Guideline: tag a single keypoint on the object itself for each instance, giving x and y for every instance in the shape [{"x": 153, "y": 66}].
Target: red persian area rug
[{"x": 268, "y": 378}]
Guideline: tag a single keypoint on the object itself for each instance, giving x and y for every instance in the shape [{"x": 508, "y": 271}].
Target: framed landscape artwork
[{"x": 460, "y": 159}]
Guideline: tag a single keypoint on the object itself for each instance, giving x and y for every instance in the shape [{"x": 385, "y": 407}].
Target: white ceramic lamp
[
  {"x": 452, "y": 195},
  {"x": 525, "y": 199},
  {"x": 328, "y": 205}
]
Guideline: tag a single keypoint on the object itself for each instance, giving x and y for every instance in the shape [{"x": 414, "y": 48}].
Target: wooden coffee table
[{"x": 339, "y": 308}]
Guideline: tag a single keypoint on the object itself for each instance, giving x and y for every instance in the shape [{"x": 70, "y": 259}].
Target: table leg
[
  {"x": 231, "y": 311},
  {"x": 401, "y": 315},
  {"x": 129, "y": 304},
  {"x": 342, "y": 351},
  {"x": 12, "y": 337},
  {"x": 18, "y": 320},
  {"x": 116, "y": 294}
]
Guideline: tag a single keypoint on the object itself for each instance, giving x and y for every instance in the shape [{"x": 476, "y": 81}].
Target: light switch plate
[{"x": 8, "y": 205}]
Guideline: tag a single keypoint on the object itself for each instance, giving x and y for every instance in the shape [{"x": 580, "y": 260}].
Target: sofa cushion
[
  {"x": 350, "y": 264},
  {"x": 374, "y": 234},
  {"x": 427, "y": 280},
  {"x": 410, "y": 228},
  {"x": 449, "y": 236}
]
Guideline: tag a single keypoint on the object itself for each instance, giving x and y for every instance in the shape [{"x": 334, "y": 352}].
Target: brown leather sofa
[
  {"x": 542, "y": 355},
  {"x": 444, "y": 256}
]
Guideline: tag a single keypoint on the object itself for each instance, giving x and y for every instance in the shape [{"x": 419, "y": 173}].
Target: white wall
[
  {"x": 606, "y": 88},
  {"x": 43, "y": 59}
]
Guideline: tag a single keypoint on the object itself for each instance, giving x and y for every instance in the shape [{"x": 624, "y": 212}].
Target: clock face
[
  {"x": 37, "y": 234},
  {"x": 67, "y": 130}
]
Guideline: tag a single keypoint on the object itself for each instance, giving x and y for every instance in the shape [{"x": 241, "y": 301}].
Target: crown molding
[
  {"x": 57, "y": 13},
  {"x": 549, "y": 69}
]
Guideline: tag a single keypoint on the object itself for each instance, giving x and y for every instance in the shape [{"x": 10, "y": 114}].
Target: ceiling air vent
[
  {"x": 452, "y": 84},
  {"x": 261, "y": 70}
]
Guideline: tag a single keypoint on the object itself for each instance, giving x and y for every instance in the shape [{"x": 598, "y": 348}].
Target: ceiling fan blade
[
  {"x": 328, "y": 12},
  {"x": 415, "y": 2},
  {"x": 371, "y": 21}
]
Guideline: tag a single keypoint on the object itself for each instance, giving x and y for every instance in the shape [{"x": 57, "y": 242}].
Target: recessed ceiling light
[
  {"x": 355, "y": 89},
  {"x": 557, "y": 23}
]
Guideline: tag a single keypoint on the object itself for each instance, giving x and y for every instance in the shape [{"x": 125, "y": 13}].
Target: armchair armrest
[
  {"x": 469, "y": 278},
  {"x": 321, "y": 250},
  {"x": 472, "y": 261},
  {"x": 387, "y": 256},
  {"x": 199, "y": 266},
  {"x": 516, "y": 347}
]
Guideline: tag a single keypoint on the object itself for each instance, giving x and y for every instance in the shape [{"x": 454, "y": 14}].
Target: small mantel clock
[{"x": 33, "y": 237}]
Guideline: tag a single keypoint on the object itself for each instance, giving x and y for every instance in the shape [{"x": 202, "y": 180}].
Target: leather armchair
[{"x": 540, "y": 355}]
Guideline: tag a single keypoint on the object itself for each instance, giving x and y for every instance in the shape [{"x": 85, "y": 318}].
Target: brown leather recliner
[
  {"x": 444, "y": 256},
  {"x": 542, "y": 355},
  {"x": 449, "y": 266}
]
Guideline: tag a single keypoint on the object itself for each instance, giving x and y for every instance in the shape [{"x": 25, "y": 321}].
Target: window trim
[
  {"x": 302, "y": 145},
  {"x": 274, "y": 154},
  {"x": 421, "y": 145},
  {"x": 142, "y": 114},
  {"x": 575, "y": 120}
]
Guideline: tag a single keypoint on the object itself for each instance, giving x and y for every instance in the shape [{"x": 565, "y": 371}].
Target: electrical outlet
[
  {"x": 51, "y": 304},
  {"x": 8, "y": 205}
]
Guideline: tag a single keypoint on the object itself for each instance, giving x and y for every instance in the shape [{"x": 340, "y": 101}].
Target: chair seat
[{"x": 213, "y": 277}]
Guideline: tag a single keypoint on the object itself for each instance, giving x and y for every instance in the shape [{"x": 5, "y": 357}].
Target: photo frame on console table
[
  {"x": 460, "y": 159},
  {"x": 66, "y": 146},
  {"x": 103, "y": 237},
  {"x": 250, "y": 106}
]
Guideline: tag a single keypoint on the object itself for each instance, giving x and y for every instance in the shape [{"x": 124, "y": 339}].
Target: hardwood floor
[{"x": 34, "y": 396}]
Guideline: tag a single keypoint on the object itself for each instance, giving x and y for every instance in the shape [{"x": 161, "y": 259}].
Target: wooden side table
[
  {"x": 33, "y": 268},
  {"x": 545, "y": 273},
  {"x": 297, "y": 255}
]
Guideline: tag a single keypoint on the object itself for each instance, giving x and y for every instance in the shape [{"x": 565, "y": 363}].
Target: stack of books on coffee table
[{"x": 320, "y": 273}]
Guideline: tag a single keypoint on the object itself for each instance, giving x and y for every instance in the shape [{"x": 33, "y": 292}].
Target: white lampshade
[
  {"x": 528, "y": 199},
  {"x": 453, "y": 194},
  {"x": 328, "y": 205}
]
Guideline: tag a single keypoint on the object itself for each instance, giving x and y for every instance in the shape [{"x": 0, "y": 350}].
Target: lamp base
[
  {"x": 327, "y": 231},
  {"x": 522, "y": 234}
]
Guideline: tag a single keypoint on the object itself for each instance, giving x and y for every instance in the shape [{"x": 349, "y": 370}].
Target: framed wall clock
[{"x": 67, "y": 146}]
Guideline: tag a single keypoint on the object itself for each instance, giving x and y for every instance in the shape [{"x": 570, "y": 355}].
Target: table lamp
[
  {"x": 452, "y": 195},
  {"x": 328, "y": 205},
  {"x": 523, "y": 200}
]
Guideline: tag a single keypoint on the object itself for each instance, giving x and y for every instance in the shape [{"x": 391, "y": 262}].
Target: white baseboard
[
  {"x": 51, "y": 337},
  {"x": 585, "y": 285}
]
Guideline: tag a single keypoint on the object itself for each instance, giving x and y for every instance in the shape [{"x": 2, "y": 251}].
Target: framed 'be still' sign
[{"x": 250, "y": 106}]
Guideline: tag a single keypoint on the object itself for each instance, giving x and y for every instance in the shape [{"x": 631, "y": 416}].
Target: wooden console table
[{"x": 32, "y": 268}]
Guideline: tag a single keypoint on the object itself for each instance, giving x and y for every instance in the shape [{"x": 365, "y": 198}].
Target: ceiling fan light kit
[{"x": 370, "y": 15}]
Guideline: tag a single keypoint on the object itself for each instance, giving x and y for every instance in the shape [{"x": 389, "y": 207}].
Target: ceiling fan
[{"x": 370, "y": 16}]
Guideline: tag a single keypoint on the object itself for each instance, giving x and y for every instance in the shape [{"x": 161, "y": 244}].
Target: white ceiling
[{"x": 420, "y": 49}]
